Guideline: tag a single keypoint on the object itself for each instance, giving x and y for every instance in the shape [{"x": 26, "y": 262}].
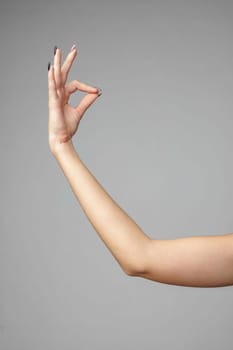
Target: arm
[
  {"x": 202, "y": 261},
  {"x": 122, "y": 236},
  {"x": 118, "y": 231},
  {"x": 199, "y": 261}
]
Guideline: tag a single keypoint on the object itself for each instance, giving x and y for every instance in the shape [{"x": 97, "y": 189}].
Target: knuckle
[{"x": 76, "y": 82}]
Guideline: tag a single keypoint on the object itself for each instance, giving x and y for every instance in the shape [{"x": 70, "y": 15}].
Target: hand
[{"x": 63, "y": 118}]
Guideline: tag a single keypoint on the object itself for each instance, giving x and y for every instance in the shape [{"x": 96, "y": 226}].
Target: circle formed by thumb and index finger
[
  {"x": 85, "y": 103},
  {"x": 77, "y": 85}
]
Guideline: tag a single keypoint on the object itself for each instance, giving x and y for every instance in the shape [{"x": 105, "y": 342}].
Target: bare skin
[{"x": 200, "y": 261}]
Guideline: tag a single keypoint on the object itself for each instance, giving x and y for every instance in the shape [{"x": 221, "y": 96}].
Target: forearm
[{"x": 125, "y": 239}]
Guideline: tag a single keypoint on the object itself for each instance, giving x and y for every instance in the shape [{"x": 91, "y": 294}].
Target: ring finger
[{"x": 57, "y": 68}]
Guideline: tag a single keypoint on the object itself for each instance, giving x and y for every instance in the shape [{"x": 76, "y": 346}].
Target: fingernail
[
  {"x": 49, "y": 64},
  {"x": 100, "y": 92},
  {"x": 73, "y": 47},
  {"x": 54, "y": 50}
]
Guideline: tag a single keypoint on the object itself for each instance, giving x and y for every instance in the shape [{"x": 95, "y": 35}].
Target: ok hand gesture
[{"x": 63, "y": 118}]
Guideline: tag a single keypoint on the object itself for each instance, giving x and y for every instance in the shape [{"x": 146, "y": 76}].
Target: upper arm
[{"x": 198, "y": 261}]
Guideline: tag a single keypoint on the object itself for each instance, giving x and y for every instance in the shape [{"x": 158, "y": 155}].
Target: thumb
[{"x": 86, "y": 102}]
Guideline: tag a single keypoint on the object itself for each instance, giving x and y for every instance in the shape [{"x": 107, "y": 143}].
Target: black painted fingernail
[
  {"x": 49, "y": 64},
  {"x": 100, "y": 92},
  {"x": 55, "y": 49}
]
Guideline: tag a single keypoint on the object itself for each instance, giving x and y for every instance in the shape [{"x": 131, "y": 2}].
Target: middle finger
[{"x": 68, "y": 63}]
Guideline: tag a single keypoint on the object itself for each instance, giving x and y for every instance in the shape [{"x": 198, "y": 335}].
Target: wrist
[{"x": 59, "y": 148}]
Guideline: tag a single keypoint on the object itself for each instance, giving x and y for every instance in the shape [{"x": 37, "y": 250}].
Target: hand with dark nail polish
[{"x": 64, "y": 119}]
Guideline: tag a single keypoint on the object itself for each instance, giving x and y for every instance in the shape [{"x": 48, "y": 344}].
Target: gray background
[{"x": 159, "y": 140}]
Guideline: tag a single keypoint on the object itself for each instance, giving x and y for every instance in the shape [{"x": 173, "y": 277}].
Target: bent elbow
[{"x": 135, "y": 270}]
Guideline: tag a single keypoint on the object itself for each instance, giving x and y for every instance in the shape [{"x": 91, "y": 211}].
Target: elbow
[
  {"x": 132, "y": 273},
  {"x": 135, "y": 270},
  {"x": 129, "y": 272},
  {"x": 137, "y": 266}
]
